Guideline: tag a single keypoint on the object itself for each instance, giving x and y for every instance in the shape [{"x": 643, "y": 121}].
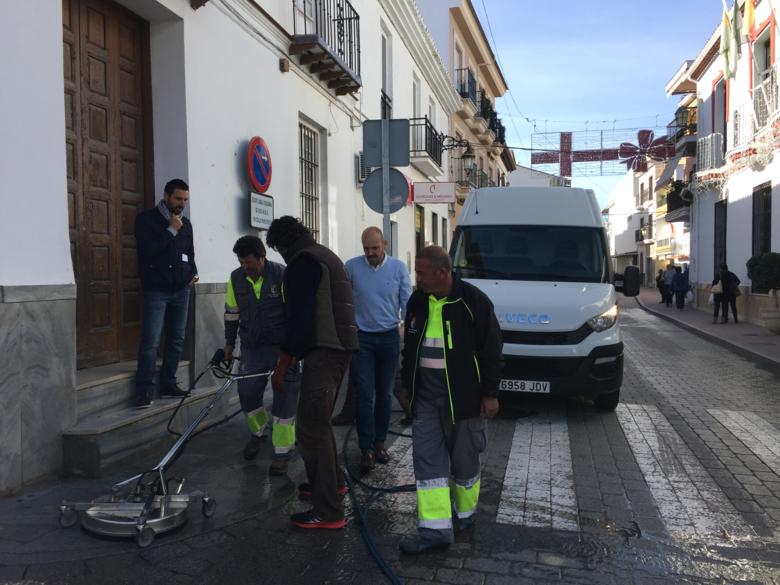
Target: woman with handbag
[{"x": 716, "y": 290}]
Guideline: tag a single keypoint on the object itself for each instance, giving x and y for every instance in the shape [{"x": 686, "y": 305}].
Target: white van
[{"x": 541, "y": 256}]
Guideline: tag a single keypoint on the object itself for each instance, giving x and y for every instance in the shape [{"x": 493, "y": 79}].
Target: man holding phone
[{"x": 166, "y": 266}]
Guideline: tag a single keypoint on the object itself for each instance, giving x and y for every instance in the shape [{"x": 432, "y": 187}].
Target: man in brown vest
[{"x": 320, "y": 330}]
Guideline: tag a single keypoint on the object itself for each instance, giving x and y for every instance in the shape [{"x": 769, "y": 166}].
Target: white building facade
[{"x": 735, "y": 210}]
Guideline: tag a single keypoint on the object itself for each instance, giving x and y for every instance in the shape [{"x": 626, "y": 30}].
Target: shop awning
[{"x": 668, "y": 174}]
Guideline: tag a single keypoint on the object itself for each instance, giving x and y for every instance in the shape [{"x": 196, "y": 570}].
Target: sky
[{"x": 574, "y": 64}]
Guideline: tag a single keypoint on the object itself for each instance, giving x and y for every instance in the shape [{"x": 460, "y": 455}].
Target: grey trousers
[
  {"x": 250, "y": 393},
  {"x": 442, "y": 449}
]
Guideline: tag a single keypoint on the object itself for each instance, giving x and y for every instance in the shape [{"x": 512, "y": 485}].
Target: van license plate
[{"x": 535, "y": 386}]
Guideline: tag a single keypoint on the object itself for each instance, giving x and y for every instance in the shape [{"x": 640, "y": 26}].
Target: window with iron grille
[
  {"x": 308, "y": 153},
  {"x": 762, "y": 221}
]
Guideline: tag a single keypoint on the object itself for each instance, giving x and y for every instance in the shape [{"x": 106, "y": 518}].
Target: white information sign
[
  {"x": 434, "y": 193},
  {"x": 261, "y": 211}
]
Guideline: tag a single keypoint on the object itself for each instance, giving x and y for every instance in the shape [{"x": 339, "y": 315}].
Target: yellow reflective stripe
[
  {"x": 434, "y": 504},
  {"x": 476, "y": 363},
  {"x": 449, "y": 335},
  {"x": 230, "y": 296},
  {"x": 466, "y": 498},
  {"x": 283, "y": 434},
  {"x": 257, "y": 419}
]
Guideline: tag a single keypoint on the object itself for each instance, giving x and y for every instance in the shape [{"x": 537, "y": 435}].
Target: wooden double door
[{"x": 108, "y": 153}]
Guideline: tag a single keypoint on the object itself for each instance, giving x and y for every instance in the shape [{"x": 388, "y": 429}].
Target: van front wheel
[{"x": 607, "y": 402}]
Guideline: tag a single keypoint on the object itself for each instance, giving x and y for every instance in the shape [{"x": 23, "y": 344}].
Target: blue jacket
[{"x": 165, "y": 262}]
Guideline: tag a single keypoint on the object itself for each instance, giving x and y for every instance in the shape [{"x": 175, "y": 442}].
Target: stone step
[
  {"x": 107, "y": 388},
  {"x": 107, "y": 437}
]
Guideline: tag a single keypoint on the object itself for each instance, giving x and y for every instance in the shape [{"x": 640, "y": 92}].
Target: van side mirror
[{"x": 629, "y": 282}]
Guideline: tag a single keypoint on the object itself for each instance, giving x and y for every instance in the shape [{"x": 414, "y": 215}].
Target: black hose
[{"x": 362, "y": 522}]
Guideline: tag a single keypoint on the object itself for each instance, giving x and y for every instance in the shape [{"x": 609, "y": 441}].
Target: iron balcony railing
[
  {"x": 709, "y": 152},
  {"x": 336, "y": 23},
  {"x": 498, "y": 129},
  {"x": 425, "y": 140},
  {"x": 486, "y": 109},
  {"x": 482, "y": 179},
  {"x": 466, "y": 84},
  {"x": 463, "y": 175},
  {"x": 765, "y": 98},
  {"x": 676, "y": 133}
]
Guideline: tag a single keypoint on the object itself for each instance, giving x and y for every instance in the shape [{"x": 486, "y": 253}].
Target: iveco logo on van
[{"x": 524, "y": 318}]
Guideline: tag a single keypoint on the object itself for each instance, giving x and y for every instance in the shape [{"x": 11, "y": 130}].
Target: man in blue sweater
[{"x": 381, "y": 288}]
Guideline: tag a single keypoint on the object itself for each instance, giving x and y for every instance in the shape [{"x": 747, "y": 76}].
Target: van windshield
[{"x": 517, "y": 252}]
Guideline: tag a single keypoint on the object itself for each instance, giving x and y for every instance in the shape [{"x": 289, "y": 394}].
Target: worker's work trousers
[
  {"x": 442, "y": 449},
  {"x": 323, "y": 371},
  {"x": 250, "y": 393}
]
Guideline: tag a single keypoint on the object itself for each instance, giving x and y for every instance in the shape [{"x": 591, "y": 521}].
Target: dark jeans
[
  {"x": 679, "y": 298},
  {"x": 161, "y": 309},
  {"x": 727, "y": 300},
  {"x": 717, "y": 301},
  {"x": 662, "y": 290},
  {"x": 669, "y": 294},
  {"x": 373, "y": 374},
  {"x": 323, "y": 370}
]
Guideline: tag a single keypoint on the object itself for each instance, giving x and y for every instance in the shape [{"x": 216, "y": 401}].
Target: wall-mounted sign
[
  {"x": 434, "y": 192},
  {"x": 399, "y": 190},
  {"x": 261, "y": 211},
  {"x": 258, "y": 161}
]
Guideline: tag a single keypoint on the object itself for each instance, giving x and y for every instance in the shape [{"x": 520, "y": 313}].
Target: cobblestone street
[{"x": 680, "y": 484}]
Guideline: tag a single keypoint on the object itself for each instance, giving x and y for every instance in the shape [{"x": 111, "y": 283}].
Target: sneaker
[
  {"x": 173, "y": 391},
  {"x": 252, "y": 447},
  {"x": 311, "y": 519},
  {"x": 366, "y": 461},
  {"x": 143, "y": 401},
  {"x": 278, "y": 467},
  {"x": 416, "y": 545},
  {"x": 304, "y": 491}
]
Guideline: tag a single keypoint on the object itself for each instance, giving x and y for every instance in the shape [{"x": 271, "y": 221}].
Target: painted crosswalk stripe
[
  {"x": 690, "y": 502},
  {"x": 538, "y": 486},
  {"x": 757, "y": 434}
]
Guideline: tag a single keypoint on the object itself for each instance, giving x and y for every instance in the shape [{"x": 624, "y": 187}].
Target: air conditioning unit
[{"x": 361, "y": 170}]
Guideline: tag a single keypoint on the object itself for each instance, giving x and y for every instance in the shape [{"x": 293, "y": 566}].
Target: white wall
[
  {"x": 34, "y": 239},
  {"x": 525, "y": 177}
]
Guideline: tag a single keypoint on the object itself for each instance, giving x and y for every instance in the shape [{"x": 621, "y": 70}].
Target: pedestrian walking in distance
[
  {"x": 451, "y": 370},
  {"x": 166, "y": 265},
  {"x": 381, "y": 288},
  {"x": 661, "y": 285},
  {"x": 254, "y": 311},
  {"x": 729, "y": 283},
  {"x": 319, "y": 329}
]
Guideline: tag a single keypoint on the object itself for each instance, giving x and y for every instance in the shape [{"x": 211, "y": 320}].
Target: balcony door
[{"x": 720, "y": 254}]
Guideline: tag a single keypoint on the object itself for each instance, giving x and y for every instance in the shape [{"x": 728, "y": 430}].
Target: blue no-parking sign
[{"x": 259, "y": 165}]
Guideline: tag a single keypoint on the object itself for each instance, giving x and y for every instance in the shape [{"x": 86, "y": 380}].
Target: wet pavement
[{"x": 679, "y": 485}]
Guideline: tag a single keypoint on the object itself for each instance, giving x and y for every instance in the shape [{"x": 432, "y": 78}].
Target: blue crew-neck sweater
[{"x": 380, "y": 294}]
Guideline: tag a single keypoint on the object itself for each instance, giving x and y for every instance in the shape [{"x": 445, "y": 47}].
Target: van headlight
[{"x": 604, "y": 321}]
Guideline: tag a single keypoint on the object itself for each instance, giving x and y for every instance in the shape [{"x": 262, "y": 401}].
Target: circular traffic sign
[
  {"x": 259, "y": 165},
  {"x": 399, "y": 190}
]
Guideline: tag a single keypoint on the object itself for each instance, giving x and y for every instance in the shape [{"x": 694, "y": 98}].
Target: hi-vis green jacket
[{"x": 472, "y": 347}]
